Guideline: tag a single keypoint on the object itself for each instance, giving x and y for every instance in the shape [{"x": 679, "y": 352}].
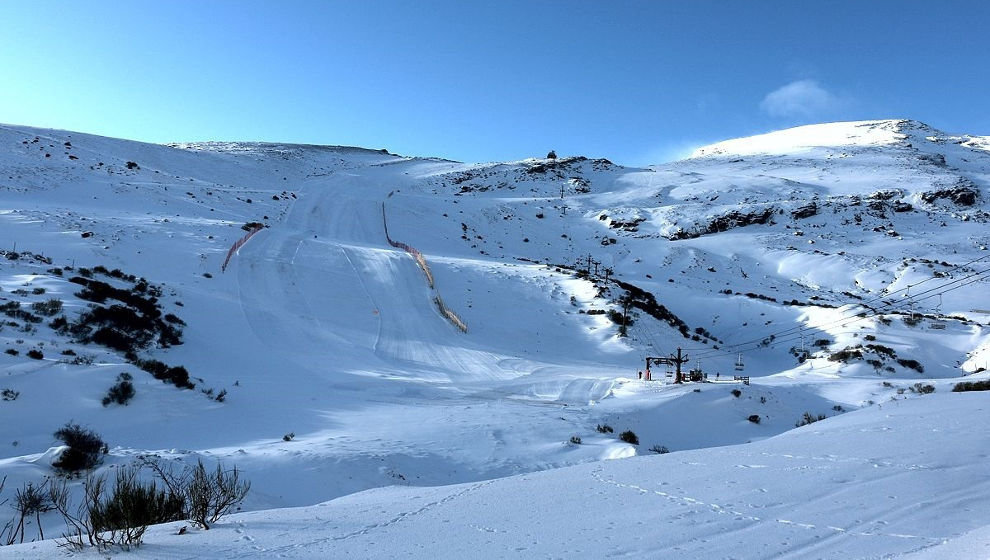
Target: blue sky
[{"x": 637, "y": 82}]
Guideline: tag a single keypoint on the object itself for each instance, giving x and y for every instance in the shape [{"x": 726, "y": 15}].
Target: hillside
[{"x": 843, "y": 264}]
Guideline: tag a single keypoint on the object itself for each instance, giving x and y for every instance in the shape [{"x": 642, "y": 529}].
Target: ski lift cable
[
  {"x": 932, "y": 292},
  {"x": 784, "y": 336},
  {"x": 787, "y": 334}
]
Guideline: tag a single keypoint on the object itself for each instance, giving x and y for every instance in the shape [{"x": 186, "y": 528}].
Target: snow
[
  {"x": 905, "y": 478},
  {"x": 405, "y": 428}
]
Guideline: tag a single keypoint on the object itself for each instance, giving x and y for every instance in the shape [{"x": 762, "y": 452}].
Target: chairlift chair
[
  {"x": 739, "y": 363},
  {"x": 938, "y": 324}
]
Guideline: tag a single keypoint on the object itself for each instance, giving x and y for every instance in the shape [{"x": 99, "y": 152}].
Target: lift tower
[{"x": 675, "y": 360}]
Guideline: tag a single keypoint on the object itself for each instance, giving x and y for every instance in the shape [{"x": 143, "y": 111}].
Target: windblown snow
[{"x": 413, "y": 357}]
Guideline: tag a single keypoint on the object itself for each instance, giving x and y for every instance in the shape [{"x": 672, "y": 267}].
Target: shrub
[
  {"x": 912, "y": 364},
  {"x": 213, "y": 495},
  {"x": 736, "y": 393},
  {"x": 121, "y": 392},
  {"x": 576, "y": 440},
  {"x": 971, "y": 386},
  {"x": 84, "y": 452},
  {"x": 38, "y": 291},
  {"x": 659, "y": 449},
  {"x": 29, "y": 500},
  {"x": 115, "y": 518},
  {"x": 923, "y": 389},
  {"x": 47, "y": 308},
  {"x": 754, "y": 418},
  {"x": 289, "y": 436},
  {"x": 122, "y": 516},
  {"x": 36, "y": 354},
  {"x": 177, "y": 375},
  {"x": 60, "y": 324},
  {"x": 11, "y": 351},
  {"x": 9, "y": 395},
  {"x": 604, "y": 429},
  {"x": 629, "y": 436},
  {"x": 809, "y": 419}
]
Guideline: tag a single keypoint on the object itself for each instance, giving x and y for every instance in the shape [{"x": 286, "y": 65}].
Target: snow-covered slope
[
  {"x": 902, "y": 478},
  {"x": 843, "y": 263}
]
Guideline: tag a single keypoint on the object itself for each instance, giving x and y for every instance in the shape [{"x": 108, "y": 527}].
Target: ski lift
[
  {"x": 739, "y": 363},
  {"x": 938, "y": 324}
]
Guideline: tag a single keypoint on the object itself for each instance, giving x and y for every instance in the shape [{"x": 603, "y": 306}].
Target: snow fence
[
  {"x": 447, "y": 312},
  {"x": 416, "y": 255},
  {"x": 238, "y": 244}
]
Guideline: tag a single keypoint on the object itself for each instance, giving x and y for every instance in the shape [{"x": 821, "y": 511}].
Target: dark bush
[
  {"x": 121, "y": 392},
  {"x": 84, "y": 452},
  {"x": 660, "y": 449},
  {"x": 177, "y": 376},
  {"x": 736, "y": 393},
  {"x": 11, "y": 351},
  {"x": 971, "y": 386},
  {"x": 845, "y": 355},
  {"x": 47, "y": 308},
  {"x": 35, "y": 354},
  {"x": 809, "y": 419},
  {"x": 576, "y": 440},
  {"x": 132, "y": 506},
  {"x": 60, "y": 324},
  {"x": 912, "y": 364},
  {"x": 171, "y": 318},
  {"x": 213, "y": 495},
  {"x": 629, "y": 436},
  {"x": 604, "y": 429},
  {"x": 923, "y": 389},
  {"x": 754, "y": 418}
]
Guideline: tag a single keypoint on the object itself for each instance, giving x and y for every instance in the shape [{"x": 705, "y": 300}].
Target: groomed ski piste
[{"x": 843, "y": 264}]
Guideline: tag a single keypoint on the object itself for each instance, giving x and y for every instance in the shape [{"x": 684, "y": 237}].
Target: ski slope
[{"x": 823, "y": 257}]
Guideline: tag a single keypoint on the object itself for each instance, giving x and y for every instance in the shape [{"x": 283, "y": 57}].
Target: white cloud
[{"x": 803, "y": 98}]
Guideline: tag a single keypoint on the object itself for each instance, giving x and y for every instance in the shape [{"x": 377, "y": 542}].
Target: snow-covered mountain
[{"x": 396, "y": 321}]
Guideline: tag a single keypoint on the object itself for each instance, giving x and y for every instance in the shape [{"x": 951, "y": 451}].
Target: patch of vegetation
[
  {"x": 9, "y": 394},
  {"x": 121, "y": 392},
  {"x": 922, "y": 389},
  {"x": 85, "y": 451},
  {"x": 604, "y": 429},
  {"x": 847, "y": 354},
  {"x": 35, "y": 354},
  {"x": 964, "y": 386},
  {"x": 736, "y": 393},
  {"x": 882, "y": 350},
  {"x": 177, "y": 375},
  {"x": 121, "y": 516},
  {"x": 754, "y": 418},
  {"x": 576, "y": 440},
  {"x": 135, "y": 323},
  {"x": 47, "y": 308},
  {"x": 912, "y": 364},
  {"x": 659, "y": 449},
  {"x": 809, "y": 419},
  {"x": 629, "y": 436}
]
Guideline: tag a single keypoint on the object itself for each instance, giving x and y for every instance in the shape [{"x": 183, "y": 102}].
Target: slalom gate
[{"x": 237, "y": 245}]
